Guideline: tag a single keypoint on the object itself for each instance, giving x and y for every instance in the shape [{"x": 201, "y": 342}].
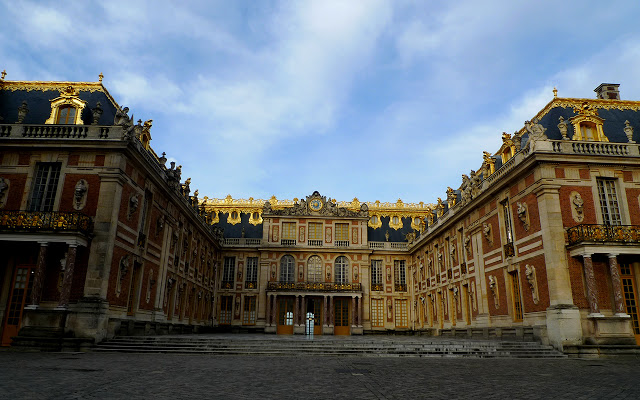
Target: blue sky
[{"x": 377, "y": 99}]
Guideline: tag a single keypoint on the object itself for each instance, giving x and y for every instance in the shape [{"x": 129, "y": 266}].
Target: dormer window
[
  {"x": 66, "y": 115},
  {"x": 587, "y": 125}
]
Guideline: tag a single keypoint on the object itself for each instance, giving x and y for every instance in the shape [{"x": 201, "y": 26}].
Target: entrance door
[
  {"x": 134, "y": 290},
  {"x": 341, "y": 320},
  {"x": 314, "y": 306},
  {"x": 20, "y": 294},
  {"x": 630, "y": 293},
  {"x": 285, "y": 316}
]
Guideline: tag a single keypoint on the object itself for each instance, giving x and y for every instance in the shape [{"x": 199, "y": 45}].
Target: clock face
[{"x": 315, "y": 205}]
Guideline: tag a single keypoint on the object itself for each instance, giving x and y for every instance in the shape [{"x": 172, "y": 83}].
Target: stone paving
[{"x": 162, "y": 376}]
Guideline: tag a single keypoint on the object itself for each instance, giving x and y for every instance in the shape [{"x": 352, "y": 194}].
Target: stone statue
[
  {"x": 523, "y": 215},
  {"x": 486, "y": 230},
  {"x": 493, "y": 286},
  {"x": 451, "y": 197},
  {"x": 96, "y": 113},
  {"x": 386, "y": 235},
  {"x": 517, "y": 141},
  {"x": 562, "y": 127},
  {"x": 628, "y": 130},
  {"x": 536, "y": 133},
  {"x": 578, "y": 207},
  {"x": 266, "y": 209},
  {"x": 133, "y": 204},
  {"x": 530, "y": 274},
  {"x": 79, "y": 193},
  {"x": 467, "y": 245},
  {"x": 4, "y": 186},
  {"x": 23, "y": 110}
]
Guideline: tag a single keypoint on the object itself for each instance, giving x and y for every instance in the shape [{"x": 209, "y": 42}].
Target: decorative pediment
[
  {"x": 315, "y": 204},
  {"x": 68, "y": 97}
]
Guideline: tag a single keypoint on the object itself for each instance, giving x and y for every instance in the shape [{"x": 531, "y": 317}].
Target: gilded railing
[
  {"x": 509, "y": 250},
  {"x": 45, "y": 221},
  {"x": 604, "y": 233},
  {"x": 314, "y": 286}
]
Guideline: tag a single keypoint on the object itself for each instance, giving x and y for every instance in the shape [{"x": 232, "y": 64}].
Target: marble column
[
  {"x": 616, "y": 284},
  {"x": 274, "y": 310},
  {"x": 354, "y": 318},
  {"x": 325, "y": 316},
  {"x": 592, "y": 288},
  {"x": 67, "y": 279},
  {"x": 360, "y": 308},
  {"x": 36, "y": 291},
  {"x": 331, "y": 310},
  {"x": 268, "y": 311}
]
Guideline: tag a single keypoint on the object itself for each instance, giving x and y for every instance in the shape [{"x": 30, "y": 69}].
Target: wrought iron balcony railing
[
  {"x": 250, "y": 284},
  {"x": 226, "y": 285},
  {"x": 377, "y": 286},
  {"x": 603, "y": 233},
  {"x": 314, "y": 286},
  {"x": 401, "y": 287},
  {"x": 41, "y": 221},
  {"x": 509, "y": 250}
]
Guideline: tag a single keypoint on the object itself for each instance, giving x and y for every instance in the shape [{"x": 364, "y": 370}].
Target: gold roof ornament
[
  {"x": 100, "y": 76},
  {"x": 555, "y": 92},
  {"x": 3, "y": 74}
]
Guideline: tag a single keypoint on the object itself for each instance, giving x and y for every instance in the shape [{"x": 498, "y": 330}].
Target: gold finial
[
  {"x": 100, "y": 77},
  {"x": 555, "y": 92},
  {"x": 4, "y": 73}
]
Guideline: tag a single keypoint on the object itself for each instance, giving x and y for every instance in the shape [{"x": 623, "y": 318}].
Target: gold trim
[
  {"x": 68, "y": 96},
  {"x": 44, "y": 86}
]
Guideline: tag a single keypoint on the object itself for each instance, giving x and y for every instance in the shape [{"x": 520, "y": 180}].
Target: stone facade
[{"x": 541, "y": 241}]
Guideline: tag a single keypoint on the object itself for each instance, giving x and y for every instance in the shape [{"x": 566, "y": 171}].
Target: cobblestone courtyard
[{"x": 161, "y": 376}]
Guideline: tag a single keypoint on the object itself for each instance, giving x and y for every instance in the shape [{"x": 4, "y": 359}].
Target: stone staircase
[{"x": 327, "y": 346}]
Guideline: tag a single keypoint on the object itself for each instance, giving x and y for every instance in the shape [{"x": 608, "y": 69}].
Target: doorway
[
  {"x": 285, "y": 316},
  {"x": 341, "y": 320},
  {"x": 630, "y": 293},
  {"x": 21, "y": 285},
  {"x": 314, "y": 306}
]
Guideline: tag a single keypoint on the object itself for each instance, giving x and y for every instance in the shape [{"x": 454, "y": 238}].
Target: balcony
[
  {"x": 603, "y": 234},
  {"x": 226, "y": 285},
  {"x": 401, "y": 287},
  {"x": 342, "y": 243},
  {"x": 288, "y": 242},
  {"x": 314, "y": 243},
  {"x": 250, "y": 284},
  {"x": 377, "y": 287},
  {"x": 45, "y": 221},
  {"x": 388, "y": 245},
  {"x": 313, "y": 287},
  {"x": 242, "y": 242}
]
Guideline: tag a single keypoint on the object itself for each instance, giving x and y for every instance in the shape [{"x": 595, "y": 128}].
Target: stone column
[
  {"x": 325, "y": 316},
  {"x": 67, "y": 279},
  {"x": 360, "y": 310},
  {"x": 331, "y": 310},
  {"x": 592, "y": 289},
  {"x": 354, "y": 318},
  {"x": 296, "y": 310},
  {"x": 274, "y": 310},
  {"x": 36, "y": 291},
  {"x": 303, "y": 317},
  {"x": 616, "y": 284},
  {"x": 268, "y": 313}
]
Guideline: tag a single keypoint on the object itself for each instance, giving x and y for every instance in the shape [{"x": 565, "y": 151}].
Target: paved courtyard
[{"x": 162, "y": 376}]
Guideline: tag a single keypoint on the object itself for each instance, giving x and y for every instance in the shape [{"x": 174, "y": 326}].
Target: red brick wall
[
  {"x": 16, "y": 190},
  {"x": 634, "y": 207},
  {"x": 566, "y": 206},
  {"x": 68, "y": 193},
  {"x": 132, "y": 222},
  {"x": 577, "y": 282},
  {"x": 534, "y": 216},
  {"x": 543, "y": 285},
  {"x": 495, "y": 231},
  {"x": 502, "y": 293}
]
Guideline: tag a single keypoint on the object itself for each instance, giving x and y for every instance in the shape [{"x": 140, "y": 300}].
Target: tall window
[
  {"x": 342, "y": 265},
  {"x": 402, "y": 317},
  {"x": 609, "y": 202},
  {"x": 315, "y": 230},
  {"x": 66, "y": 115},
  {"x": 314, "y": 269},
  {"x": 342, "y": 231},
  {"x": 377, "y": 313},
  {"x": 507, "y": 220},
  {"x": 289, "y": 230},
  {"x": 376, "y": 275},
  {"x": 252, "y": 273},
  {"x": 249, "y": 311},
  {"x": 287, "y": 269},
  {"x": 226, "y": 309},
  {"x": 45, "y": 187},
  {"x": 400, "y": 275},
  {"x": 515, "y": 291},
  {"x": 228, "y": 272}
]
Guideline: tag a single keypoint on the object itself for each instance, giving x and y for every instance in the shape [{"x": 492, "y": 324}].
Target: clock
[{"x": 315, "y": 205}]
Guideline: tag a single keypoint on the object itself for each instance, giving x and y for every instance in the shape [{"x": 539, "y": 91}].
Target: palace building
[{"x": 99, "y": 237}]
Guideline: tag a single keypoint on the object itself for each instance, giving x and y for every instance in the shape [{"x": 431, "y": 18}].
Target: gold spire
[
  {"x": 555, "y": 92},
  {"x": 4, "y": 73},
  {"x": 100, "y": 77}
]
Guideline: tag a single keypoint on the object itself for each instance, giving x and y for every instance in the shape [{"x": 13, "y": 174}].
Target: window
[
  {"x": 249, "y": 311},
  {"x": 342, "y": 265},
  {"x": 252, "y": 273},
  {"x": 515, "y": 291},
  {"x": 400, "y": 275},
  {"x": 226, "y": 309},
  {"x": 342, "y": 232},
  {"x": 315, "y": 230},
  {"x": 287, "y": 267},
  {"x": 402, "y": 318},
  {"x": 45, "y": 186},
  {"x": 228, "y": 272},
  {"x": 66, "y": 115},
  {"x": 507, "y": 221},
  {"x": 609, "y": 202},
  {"x": 377, "y": 313},
  {"x": 314, "y": 269},
  {"x": 376, "y": 275},
  {"x": 289, "y": 230}
]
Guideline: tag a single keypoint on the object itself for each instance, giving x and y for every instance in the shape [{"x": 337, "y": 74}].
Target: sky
[{"x": 379, "y": 100}]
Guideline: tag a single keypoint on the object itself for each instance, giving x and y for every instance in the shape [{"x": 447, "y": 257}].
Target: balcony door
[{"x": 21, "y": 285}]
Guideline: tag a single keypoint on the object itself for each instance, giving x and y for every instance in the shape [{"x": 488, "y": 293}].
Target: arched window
[
  {"x": 287, "y": 267},
  {"x": 66, "y": 115},
  {"x": 342, "y": 267},
  {"x": 314, "y": 269}
]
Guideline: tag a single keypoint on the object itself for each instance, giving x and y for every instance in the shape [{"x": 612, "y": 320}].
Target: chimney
[{"x": 608, "y": 91}]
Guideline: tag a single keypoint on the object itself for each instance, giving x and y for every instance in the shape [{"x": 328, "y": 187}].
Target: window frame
[
  {"x": 287, "y": 269},
  {"x": 228, "y": 271},
  {"x": 315, "y": 271},
  {"x": 607, "y": 187},
  {"x": 341, "y": 270},
  {"x": 44, "y": 200}
]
